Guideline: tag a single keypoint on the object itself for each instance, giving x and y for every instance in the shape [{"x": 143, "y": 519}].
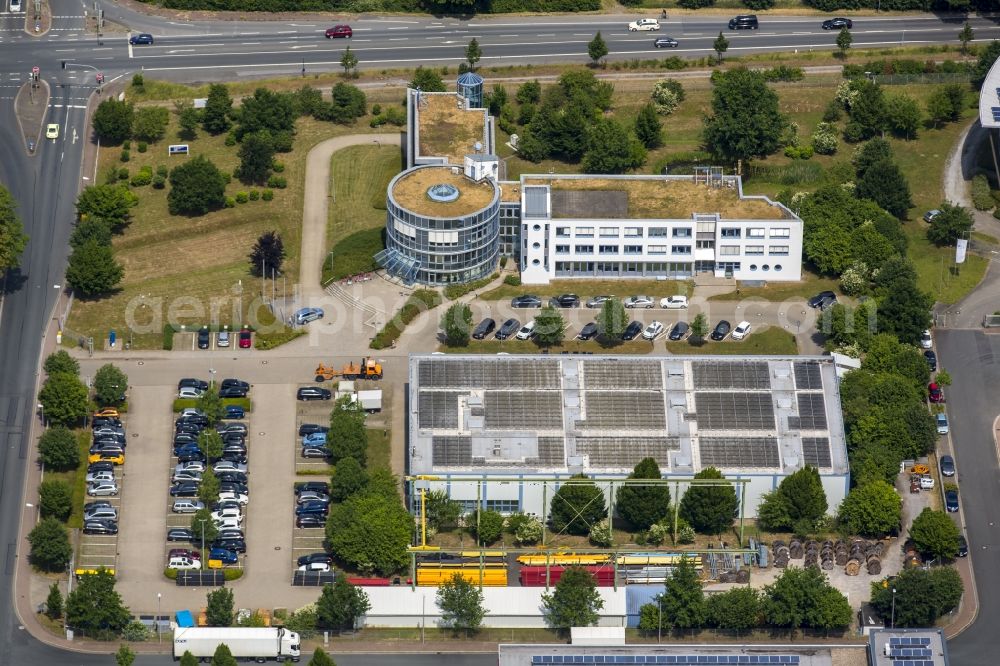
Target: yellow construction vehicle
[{"x": 369, "y": 368}]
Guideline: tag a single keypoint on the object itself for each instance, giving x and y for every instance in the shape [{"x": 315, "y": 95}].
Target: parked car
[
  {"x": 314, "y": 557},
  {"x": 141, "y": 38},
  {"x": 484, "y": 328},
  {"x": 223, "y": 555},
  {"x": 313, "y": 393},
  {"x": 186, "y": 475},
  {"x": 204, "y": 338},
  {"x": 228, "y": 514},
  {"x": 310, "y": 520},
  {"x": 236, "y": 545},
  {"x": 231, "y": 533},
  {"x": 103, "y": 475},
  {"x": 183, "y": 563},
  {"x": 679, "y": 331},
  {"x": 951, "y": 501},
  {"x": 315, "y": 566},
  {"x": 230, "y": 496},
  {"x": 665, "y": 42},
  {"x": 239, "y": 488},
  {"x": 232, "y": 392},
  {"x": 191, "y": 454},
  {"x": 190, "y": 466},
  {"x": 309, "y": 428},
  {"x": 231, "y": 428},
  {"x": 941, "y": 420},
  {"x": 246, "y": 338},
  {"x": 947, "y": 464},
  {"x": 184, "y": 552},
  {"x": 527, "y": 331},
  {"x": 102, "y": 489},
  {"x": 239, "y": 383},
  {"x": 822, "y": 300},
  {"x": 566, "y": 301},
  {"x": 316, "y": 486},
  {"x": 312, "y": 496},
  {"x": 926, "y": 341},
  {"x": 314, "y": 439},
  {"x": 99, "y": 509},
  {"x": 638, "y": 302},
  {"x": 930, "y": 215},
  {"x": 653, "y": 330},
  {"x": 674, "y": 302},
  {"x": 339, "y": 31},
  {"x": 588, "y": 331},
  {"x": 187, "y": 506},
  {"x": 222, "y": 339},
  {"x": 526, "y": 301},
  {"x": 926, "y": 482},
  {"x": 644, "y": 24},
  {"x": 180, "y": 534},
  {"x": 934, "y": 393},
  {"x": 114, "y": 448},
  {"x": 228, "y": 466},
  {"x": 306, "y": 315},
  {"x": 192, "y": 382},
  {"x": 931, "y": 359},
  {"x": 100, "y": 466},
  {"x": 742, "y": 330},
  {"x": 236, "y": 457},
  {"x": 100, "y": 526},
  {"x": 963, "y": 546},
  {"x": 224, "y": 504},
  {"x": 721, "y": 330},
  {"x": 632, "y": 330},
  {"x": 315, "y": 452},
  {"x": 184, "y": 489},
  {"x": 837, "y": 23},
  {"x": 509, "y": 328},
  {"x": 232, "y": 477},
  {"x": 314, "y": 506},
  {"x": 111, "y": 457},
  {"x": 598, "y": 301}
]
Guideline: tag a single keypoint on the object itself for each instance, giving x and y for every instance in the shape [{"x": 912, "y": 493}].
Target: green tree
[
  {"x": 223, "y": 656},
  {"x": 746, "y": 122},
  {"x": 57, "y": 449},
  {"x": 256, "y": 155},
  {"x": 457, "y": 324},
  {"x": 321, "y": 658},
  {"x": 196, "y": 187},
  {"x": 903, "y": 115},
  {"x": 110, "y": 385},
  {"x": 530, "y": 92},
  {"x": 844, "y": 41},
  {"x": 208, "y": 489},
  {"x": 111, "y": 203},
  {"x": 597, "y": 48},
  {"x": 12, "y": 237},
  {"x": 188, "y": 659},
  {"x": 124, "y": 656},
  {"x": 427, "y": 80},
  {"x": 64, "y": 399},
  {"x": 188, "y": 119},
  {"x": 683, "y": 600},
  {"x": 348, "y": 478},
  {"x": 54, "y": 602},
  {"x": 667, "y": 96},
  {"x": 50, "y": 547},
  {"x": 872, "y": 510},
  {"x": 347, "y": 433},
  {"x": 966, "y": 36},
  {"x": 349, "y": 61},
  {"x": 219, "y": 607},
  {"x": 709, "y": 509},
  {"x": 797, "y": 503},
  {"x": 461, "y": 603},
  {"x": 348, "y": 103},
  {"x": 93, "y": 270},
  {"x": 935, "y": 534},
  {"x": 577, "y": 506},
  {"x": 642, "y": 506},
  {"x": 921, "y": 596},
  {"x": 203, "y": 526},
  {"x": 906, "y": 314},
  {"x": 442, "y": 512},
  {"x": 113, "y": 121},
  {"x": 210, "y": 443},
  {"x": 371, "y": 531},
  {"x": 885, "y": 184},
  {"x": 61, "y": 362},
  {"x": 804, "y": 598},
  {"x": 737, "y": 610},
  {"x": 473, "y": 53},
  {"x": 55, "y": 499},
  {"x": 871, "y": 152},
  {"x": 699, "y": 327},
  {"x": 150, "y": 123},
  {"x": 486, "y": 526},
  {"x": 987, "y": 57},
  {"x": 720, "y": 45},
  {"x": 94, "y": 608},
  {"x": 952, "y": 223},
  {"x": 340, "y": 605},
  {"x": 267, "y": 254},
  {"x": 381, "y": 481},
  {"x": 611, "y": 148},
  {"x": 648, "y": 128},
  {"x": 550, "y": 327},
  {"x": 612, "y": 320},
  {"x": 574, "y": 602},
  {"x": 265, "y": 110},
  {"x": 218, "y": 108}
]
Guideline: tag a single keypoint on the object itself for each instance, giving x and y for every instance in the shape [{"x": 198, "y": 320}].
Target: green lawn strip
[
  {"x": 354, "y": 254},
  {"x": 810, "y": 285},
  {"x": 191, "y": 403},
  {"x": 570, "y": 346},
  {"x": 985, "y": 238},
  {"x": 587, "y": 288},
  {"x": 77, "y": 479},
  {"x": 419, "y": 301},
  {"x": 379, "y": 448},
  {"x": 766, "y": 340}
]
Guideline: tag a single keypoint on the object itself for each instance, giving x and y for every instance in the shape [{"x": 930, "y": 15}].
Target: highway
[{"x": 46, "y": 184}]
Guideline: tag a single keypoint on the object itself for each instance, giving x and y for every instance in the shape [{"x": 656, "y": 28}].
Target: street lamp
[
  {"x": 893, "y": 625},
  {"x": 202, "y": 521},
  {"x": 159, "y": 636},
  {"x": 659, "y": 616}
]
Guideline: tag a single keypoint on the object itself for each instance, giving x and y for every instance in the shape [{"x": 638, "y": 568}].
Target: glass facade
[{"x": 670, "y": 269}]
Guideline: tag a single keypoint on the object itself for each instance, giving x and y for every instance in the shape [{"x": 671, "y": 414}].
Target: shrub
[
  {"x": 854, "y": 133},
  {"x": 230, "y": 139},
  {"x": 833, "y": 112},
  {"x": 159, "y": 182},
  {"x": 781, "y": 72},
  {"x": 123, "y": 173},
  {"x": 454, "y": 291},
  {"x": 419, "y": 301},
  {"x": 143, "y": 178},
  {"x": 227, "y": 176},
  {"x": 267, "y": 195},
  {"x": 126, "y": 145},
  {"x": 278, "y": 167},
  {"x": 126, "y": 155},
  {"x": 395, "y": 116},
  {"x": 601, "y": 534},
  {"x": 277, "y": 182},
  {"x": 512, "y": 281},
  {"x": 162, "y": 170},
  {"x": 265, "y": 341},
  {"x": 667, "y": 96},
  {"x": 376, "y": 109},
  {"x": 824, "y": 139},
  {"x": 143, "y": 146},
  {"x": 229, "y": 203},
  {"x": 981, "y": 196},
  {"x": 673, "y": 63},
  {"x": 799, "y": 152},
  {"x": 242, "y": 197},
  {"x": 254, "y": 195}
]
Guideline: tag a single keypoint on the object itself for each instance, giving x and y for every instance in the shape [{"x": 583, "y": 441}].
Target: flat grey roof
[
  {"x": 907, "y": 647},
  {"x": 693, "y": 655},
  {"x": 521, "y": 413}
]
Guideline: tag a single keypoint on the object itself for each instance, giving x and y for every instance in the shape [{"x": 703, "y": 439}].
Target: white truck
[{"x": 260, "y": 644}]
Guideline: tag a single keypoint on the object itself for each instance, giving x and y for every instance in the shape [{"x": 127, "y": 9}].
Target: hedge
[
  {"x": 227, "y": 574},
  {"x": 191, "y": 403},
  {"x": 265, "y": 341},
  {"x": 451, "y": 292},
  {"x": 420, "y": 301},
  {"x": 367, "y": 6},
  {"x": 982, "y": 198}
]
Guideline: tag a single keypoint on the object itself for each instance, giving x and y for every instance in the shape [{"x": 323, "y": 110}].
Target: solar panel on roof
[
  {"x": 680, "y": 660},
  {"x": 816, "y": 451},
  {"x": 808, "y": 376},
  {"x": 748, "y": 410},
  {"x": 729, "y": 452},
  {"x": 917, "y": 641},
  {"x": 812, "y": 412},
  {"x": 730, "y": 375}
]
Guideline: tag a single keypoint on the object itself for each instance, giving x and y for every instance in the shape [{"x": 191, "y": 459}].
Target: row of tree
[{"x": 102, "y": 211}]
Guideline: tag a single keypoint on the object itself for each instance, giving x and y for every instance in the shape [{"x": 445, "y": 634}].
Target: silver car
[
  {"x": 638, "y": 302},
  {"x": 102, "y": 489},
  {"x": 229, "y": 466}
]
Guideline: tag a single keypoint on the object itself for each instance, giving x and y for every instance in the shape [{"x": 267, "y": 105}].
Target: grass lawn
[
  {"x": 379, "y": 448},
  {"x": 569, "y": 346},
  {"x": 764, "y": 340},
  {"x": 76, "y": 479},
  {"x": 810, "y": 285},
  {"x": 589, "y": 288}
]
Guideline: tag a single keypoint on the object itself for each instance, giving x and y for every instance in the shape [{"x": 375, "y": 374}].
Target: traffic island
[{"x": 30, "y": 106}]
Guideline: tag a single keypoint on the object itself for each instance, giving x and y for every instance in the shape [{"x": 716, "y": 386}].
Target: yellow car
[
  {"x": 52, "y": 131},
  {"x": 113, "y": 458},
  {"x": 108, "y": 412}
]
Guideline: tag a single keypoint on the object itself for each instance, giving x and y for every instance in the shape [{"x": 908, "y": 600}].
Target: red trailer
[{"x": 534, "y": 576}]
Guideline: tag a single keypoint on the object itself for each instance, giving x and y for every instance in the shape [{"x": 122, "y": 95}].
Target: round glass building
[{"x": 441, "y": 226}]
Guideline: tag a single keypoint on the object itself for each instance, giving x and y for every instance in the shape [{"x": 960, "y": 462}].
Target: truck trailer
[{"x": 245, "y": 643}]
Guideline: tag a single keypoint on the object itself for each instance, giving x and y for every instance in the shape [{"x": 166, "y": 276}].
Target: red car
[
  {"x": 339, "y": 31},
  {"x": 184, "y": 552},
  {"x": 934, "y": 393},
  {"x": 245, "y": 338}
]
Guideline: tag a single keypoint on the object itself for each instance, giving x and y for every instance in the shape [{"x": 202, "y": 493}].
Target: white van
[{"x": 15, "y": 5}]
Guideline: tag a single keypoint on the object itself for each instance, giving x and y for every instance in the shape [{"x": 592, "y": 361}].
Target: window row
[{"x": 627, "y": 232}]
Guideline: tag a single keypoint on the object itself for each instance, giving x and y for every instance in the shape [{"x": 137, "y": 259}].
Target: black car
[
  {"x": 951, "y": 501},
  {"x": 188, "y": 429},
  {"x": 822, "y": 300},
  {"x": 232, "y": 392},
  {"x": 232, "y": 477},
  {"x": 744, "y": 22},
  {"x": 234, "y": 438},
  {"x": 204, "y": 337},
  {"x": 230, "y": 533},
  {"x": 963, "y": 547},
  {"x": 231, "y": 428},
  {"x": 838, "y": 23},
  {"x": 316, "y": 486},
  {"x": 100, "y": 466},
  {"x": 101, "y": 421},
  {"x": 484, "y": 328},
  {"x": 183, "y": 438},
  {"x": 315, "y": 452},
  {"x": 632, "y": 330},
  {"x": 526, "y": 301},
  {"x": 310, "y": 428},
  {"x": 947, "y": 465},
  {"x": 191, "y": 455},
  {"x": 235, "y": 456},
  {"x": 100, "y": 526},
  {"x": 509, "y": 328},
  {"x": 314, "y": 557},
  {"x": 192, "y": 417},
  {"x": 665, "y": 42},
  {"x": 190, "y": 382},
  {"x": 311, "y": 520},
  {"x": 238, "y": 545},
  {"x": 180, "y": 534},
  {"x": 313, "y": 393},
  {"x": 141, "y": 38},
  {"x": 226, "y": 383},
  {"x": 234, "y": 412},
  {"x": 931, "y": 359},
  {"x": 314, "y": 506},
  {"x": 235, "y": 449},
  {"x": 721, "y": 330},
  {"x": 566, "y": 301},
  {"x": 588, "y": 331},
  {"x": 184, "y": 489},
  {"x": 679, "y": 330}
]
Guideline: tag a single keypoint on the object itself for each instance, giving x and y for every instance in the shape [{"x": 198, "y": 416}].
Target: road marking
[
  {"x": 399, "y": 39},
  {"x": 250, "y": 43},
  {"x": 130, "y": 51},
  {"x": 402, "y": 28},
  {"x": 244, "y": 34},
  {"x": 181, "y": 51}
]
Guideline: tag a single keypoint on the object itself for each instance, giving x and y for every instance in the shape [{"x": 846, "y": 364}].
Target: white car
[
  {"x": 229, "y": 466},
  {"x": 638, "y": 302},
  {"x": 227, "y": 524},
  {"x": 103, "y": 475},
  {"x": 190, "y": 466},
  {"x": 315, "y": 566},
  {"x": 186, "y": 475},
  {"x": 653, "y": 330},
  {"x": 242, "y": 498},
  {"x": 926, "y": 341},
  {"x": 229, "y": 513},
  {"x": 674, "y": 302},
  {"x": 184, "y": 563},
  {"x": 926, "y": 482},
  {"x": 527, "y": 331},
  {"x": 189, "y": 392},
  {"x": 741, "y": 331},
  {"x": 102, "y": 489},
  {"x": 644, "y": 24}
]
